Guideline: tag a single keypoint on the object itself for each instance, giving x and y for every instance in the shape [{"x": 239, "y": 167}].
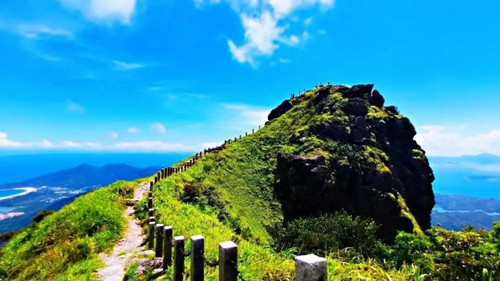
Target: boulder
[
  {"x": 356, "y": 107},
  {"x": 337, "y": 132},
  {"x": 358, "y": 91},
  {"x": 280, "y": 110},
  {"x": 377, "y": 99}
]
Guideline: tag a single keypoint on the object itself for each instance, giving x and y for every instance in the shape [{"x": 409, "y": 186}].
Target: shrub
[
  {"x": 409, "y": 248},
  {"x": 41, "y": 215},
  {"x": 331, "y": 232}
]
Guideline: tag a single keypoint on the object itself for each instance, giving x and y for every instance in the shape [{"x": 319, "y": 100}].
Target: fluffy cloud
[
  {"x": 147, "y": 146},
  {"x": 133, "y": 130},
  {"x": 158, "y": 127},
  {"x": 265, "y": 23},
  {"x": 103, "y": 10},
  {"x": 113, "y": 135},
  {"x": 74, "y": 107},
  {"x": 456, "y": 141},
  {"x": 6, "y": 143},
  {"x": 249, "y": 115}
]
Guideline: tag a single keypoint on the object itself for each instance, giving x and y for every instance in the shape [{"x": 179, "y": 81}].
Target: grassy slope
[
  {"x": 240, "y": 178},
  {"x": 256, "y": 261},
  {"x": 229, "y": 196},
  {"x": 65, "y": 245}
]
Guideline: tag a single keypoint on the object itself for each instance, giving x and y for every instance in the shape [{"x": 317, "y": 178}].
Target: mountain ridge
[{"x": 92, "y": 176}]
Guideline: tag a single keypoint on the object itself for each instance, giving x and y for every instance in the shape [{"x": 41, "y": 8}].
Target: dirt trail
[{"x": 129, "y": 249}]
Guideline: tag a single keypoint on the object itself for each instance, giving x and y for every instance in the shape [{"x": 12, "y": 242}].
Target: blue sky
[{"x": 176, "y": 75}]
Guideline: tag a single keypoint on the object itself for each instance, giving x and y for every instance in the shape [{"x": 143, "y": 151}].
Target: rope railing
[{"x": 171, "y": 250}]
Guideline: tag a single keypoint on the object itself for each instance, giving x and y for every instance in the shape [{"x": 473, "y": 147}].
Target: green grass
[
  {"x": 256, "y": 262},
  {"x": 64, "y": 245}
]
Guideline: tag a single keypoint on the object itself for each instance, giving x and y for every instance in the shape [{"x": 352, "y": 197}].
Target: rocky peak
[{"x": 357, "y": 155}]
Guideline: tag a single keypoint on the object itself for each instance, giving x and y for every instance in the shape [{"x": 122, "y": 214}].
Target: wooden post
[
  {"x": 197, "y": 258},
  {"x": 158, "y": 175},
  {"x": 156, "y": 179},
  {"x": 151, "y": 236},
  {"x": 228, "y": 261},
  {"x": 167, "y": 246},
  {"x": 150, "y": 202},
  {"x": 179, "y": 258},
  {"x": 151, "y": 212},
  {"x": 310, "y": 268},
  {"x": 152, "y": 219},
  {"x": 159, "y": 240},
  {"x": 151, "y": 186}
]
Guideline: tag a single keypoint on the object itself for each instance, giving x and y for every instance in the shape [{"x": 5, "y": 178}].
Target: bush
[
  {"x": 331, "y": 232},
  {"x": 409, "y": 248},
  {"x": 41, "y": 215}
]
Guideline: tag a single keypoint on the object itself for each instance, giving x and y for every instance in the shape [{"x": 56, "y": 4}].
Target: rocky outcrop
[
  {"x": 280, "y": 110},
  {"x": 366, "y": 163}
]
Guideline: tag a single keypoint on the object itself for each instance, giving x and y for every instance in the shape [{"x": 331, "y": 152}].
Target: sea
[{"x": 7, "y": 193}]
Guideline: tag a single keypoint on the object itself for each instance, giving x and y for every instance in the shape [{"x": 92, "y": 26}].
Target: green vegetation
[
  {"x": 229, "y": 195},
  {"x": 256, "y": 262},
  {"x": 328, "y": 234},
  {"x": 377, "y": 113},
  {"x": 64, "y": 245}
]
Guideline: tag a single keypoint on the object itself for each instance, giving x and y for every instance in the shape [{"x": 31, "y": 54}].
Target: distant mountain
[
  {"x": 86, "y": 176},
  {"x": 454, "y": 211},
  {"x": 55, "y": 190}
]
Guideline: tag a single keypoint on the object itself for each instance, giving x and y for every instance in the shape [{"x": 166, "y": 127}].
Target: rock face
[
  {"x": 364, "y": 160},
  {"x": 280, "y": 110}
]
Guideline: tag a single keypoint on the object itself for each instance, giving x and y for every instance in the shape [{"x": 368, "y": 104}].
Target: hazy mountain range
[{"x": 57, "y": 189}]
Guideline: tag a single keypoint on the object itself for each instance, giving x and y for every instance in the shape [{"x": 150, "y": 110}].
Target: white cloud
[
  {"x": 37, "y": 31},
  {"x": 133, "y": 130},
  {"x": 5, "y": 142},
  {"x": 113, "y": 135},
  {"x": 104, "y": 10},
  {"x": 148, "y": 146},
  {"x": 152, "y": 146},
  {"x": 121, "y": 65},
  {"x": 248, "y": 114},
  {"x": 265, "y": 23},
  {"x": 45, "y": 144},
  {"x": 158, "y": 127},
  {"x": 284, "y": 61},
  {"x": 439, "y": 140},
  {"x": 74, "y": 107}
]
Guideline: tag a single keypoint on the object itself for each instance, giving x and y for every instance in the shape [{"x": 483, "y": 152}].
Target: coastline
[{"x": 26, "y": 191}]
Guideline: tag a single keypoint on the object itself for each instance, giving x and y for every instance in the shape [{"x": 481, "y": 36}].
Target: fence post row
[
  {"x": 228, "y": 261},
  {"x": 179, "y": 258},
  {"x": 310, "y": 268}
]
